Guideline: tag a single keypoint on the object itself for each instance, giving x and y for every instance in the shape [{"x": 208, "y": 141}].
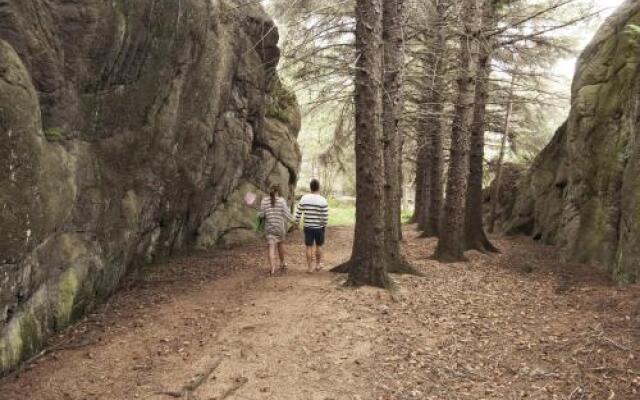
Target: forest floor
[{"x": 518, "y": 325}]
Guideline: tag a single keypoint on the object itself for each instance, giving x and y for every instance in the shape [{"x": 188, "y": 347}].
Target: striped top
[
  {"x": 275, "y": 216},
  {"x": 315, "y": 210}
]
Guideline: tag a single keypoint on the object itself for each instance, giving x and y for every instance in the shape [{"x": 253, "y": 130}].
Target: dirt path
[{"x": 519, "y": 325}]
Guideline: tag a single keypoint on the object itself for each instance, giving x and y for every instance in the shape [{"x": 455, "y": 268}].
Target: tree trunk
[
  {"x": 433, "y": 126},
  {"x": 392, "y": 102},
  {"x": 391, "y": 112},
  {"x": 495, "y": 195},
  {"x": 451, "y": 244},
  {"x": 425, "y": 165},
  {"x": 401, "y": 197},
  {"x": 436, "y": 156},
  {"x": 432, "y": 229},
  {"x": 417, "y": 202},
  {"x": 367, "y": 264},
  {"x": 475, "y": 236}
]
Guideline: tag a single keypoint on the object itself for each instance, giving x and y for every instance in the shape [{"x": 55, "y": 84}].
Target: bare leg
[
  {"x": 282, "y": 254},
  {"x": 309, "y": 258},
  {"x": 272, "y": 257},
  {"x": 318, "y": 257}
]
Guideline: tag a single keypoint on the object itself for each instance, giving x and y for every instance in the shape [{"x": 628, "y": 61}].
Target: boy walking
[{"x": 315, "y": 210}]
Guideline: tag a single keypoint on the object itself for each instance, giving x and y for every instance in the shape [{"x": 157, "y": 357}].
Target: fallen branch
[
  {"x": 616, "y": 345},
  {"x": 578, "y": 389},
  {"x": 189, "y": 388},
  {"x": 239, "y": 383}
]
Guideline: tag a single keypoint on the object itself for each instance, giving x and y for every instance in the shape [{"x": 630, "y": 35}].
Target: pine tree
[
  {"x": 433, "y": 129},
  {"x": 475, "y": 235},
  {"x": 392, "y": 100},
  {"x": 367, "y": 264},
  {"x": 451, "y": 244}
]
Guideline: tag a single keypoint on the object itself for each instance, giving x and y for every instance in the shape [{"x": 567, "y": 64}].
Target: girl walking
[{"x": 275, "y": 211}]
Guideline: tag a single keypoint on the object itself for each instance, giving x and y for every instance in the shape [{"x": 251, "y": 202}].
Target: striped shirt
[
  {"x": 275, "y": 216},
  {"x": 315, "y": 210}
]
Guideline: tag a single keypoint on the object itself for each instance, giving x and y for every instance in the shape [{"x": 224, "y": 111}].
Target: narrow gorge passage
[{"x": 514, "y": 326}]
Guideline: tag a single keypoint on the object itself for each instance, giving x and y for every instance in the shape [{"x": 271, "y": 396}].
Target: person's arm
[
  {"x": 287, "y": 212},
  {"x": 325, "y": 215},
  {"x": 262, "y": 211},
  {"x": 299, "y": 213}
]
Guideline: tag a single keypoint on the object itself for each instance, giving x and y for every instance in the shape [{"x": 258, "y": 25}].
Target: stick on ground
[
  {"x": 193, "y": 385},
  {"x": 239, "y": 383}
]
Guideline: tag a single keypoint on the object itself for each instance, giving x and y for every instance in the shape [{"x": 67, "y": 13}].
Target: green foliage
[
  {"x": 633, "y": 30},
  {"x": 274, "y": 111},
  {"x": 344, "y": 213},
  {"x": 282, "y": 104},
  {"x": 341, "y": 213},
  {"x": 55, "y": 134},
  {"x": 406, "y": 216},
  {"x": 258, "y": 224}
]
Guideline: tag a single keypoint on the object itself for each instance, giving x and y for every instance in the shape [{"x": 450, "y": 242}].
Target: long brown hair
[{"x": 273, "y": 193}]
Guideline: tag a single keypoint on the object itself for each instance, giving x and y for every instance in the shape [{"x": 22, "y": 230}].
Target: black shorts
[{"x": 313, "y": 236}]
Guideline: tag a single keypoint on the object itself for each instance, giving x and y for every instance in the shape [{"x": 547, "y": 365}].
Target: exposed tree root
[
  {"x": 402, "y": 267},
  {"x": 483, "y": 246},
  {"x": 342, "y": 268},
  {"x": 477, "y": 240},
  {"x": 389, "y": 284},
  {"x": 447, "y": 258},
  {"x": 426, "y": 235}
]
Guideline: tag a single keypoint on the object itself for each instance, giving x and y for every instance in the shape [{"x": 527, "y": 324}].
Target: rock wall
[
  {"x": 510, "y": 178},
  {"x": 583, "y": 191},
  {"x": 128, "y": 130}
]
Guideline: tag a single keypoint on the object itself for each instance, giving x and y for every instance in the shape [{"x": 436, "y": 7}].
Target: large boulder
[
  {"x": 583, "y": 191},
  {"x": 509, "y": 180},
  {"x": 128, "y": 131}
]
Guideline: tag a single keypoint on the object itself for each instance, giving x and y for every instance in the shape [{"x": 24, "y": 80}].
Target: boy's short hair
[{"x": 315, "y": 185}]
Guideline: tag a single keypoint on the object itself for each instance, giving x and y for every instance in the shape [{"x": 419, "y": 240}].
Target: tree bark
[
  {"x": 400, "y": 172},
  {"x": 495, "y": 194},
  {"x": 392, "y": 102},
  {"x": 451, "y": 244},
  {"x": 436, "y": 155},
  {"x": 425, "y": 166},
  {"x": 433, "y": 126},
  {"x": 367, "y": 264},
  {"x": 417, "y": 202},
  {"x": 475, "y": 236}
]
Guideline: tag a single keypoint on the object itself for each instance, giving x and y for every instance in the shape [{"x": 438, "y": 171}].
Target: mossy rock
[
  {"x": 584, "y": 187},
  {"x": 119, "y": 148},
  {"x": 55, "y": 134}
]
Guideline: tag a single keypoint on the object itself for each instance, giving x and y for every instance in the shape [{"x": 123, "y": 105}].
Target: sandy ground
[{"x": 519, "y": 325}]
